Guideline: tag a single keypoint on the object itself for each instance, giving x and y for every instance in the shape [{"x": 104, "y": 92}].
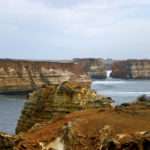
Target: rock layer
[
  {"x": 96, "y": 68},
  {"x": 55, "y": 101},
  {"x": 131, "y": 69},
  {"x": 94, "y": 127},
  {"x": 121, "y": 128},
  {"x": 22, "y": 76},
  {"x": 7, "y": 142}
]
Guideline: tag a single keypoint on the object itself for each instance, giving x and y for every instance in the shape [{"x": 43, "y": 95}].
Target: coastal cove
[
  {"x": 119, "y": 90},
  {"x": 75, "y": 75}
]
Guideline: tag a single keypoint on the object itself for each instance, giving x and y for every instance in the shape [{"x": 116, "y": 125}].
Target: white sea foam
[
  {"x": 134, "y": 93},
  {"x": 108, "y": 73},
  {"x": 107, "y": 82}
]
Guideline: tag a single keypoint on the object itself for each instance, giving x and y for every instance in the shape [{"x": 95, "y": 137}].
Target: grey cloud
[{"x": 52, "y": 29}]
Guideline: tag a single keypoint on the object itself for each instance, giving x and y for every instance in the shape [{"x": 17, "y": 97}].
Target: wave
[
  {"x": 109, "y": 82},
  {"x": 124, "y": 93}
]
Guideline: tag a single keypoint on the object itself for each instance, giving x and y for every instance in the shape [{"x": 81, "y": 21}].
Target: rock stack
[
  {"x": 96, "y": 68},
  {"x": 54, "y": 101},
  {"x": 131, "y": 69}
]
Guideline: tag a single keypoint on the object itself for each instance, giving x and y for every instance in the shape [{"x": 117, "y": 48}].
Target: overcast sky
[{"x": 60, "y": 29}]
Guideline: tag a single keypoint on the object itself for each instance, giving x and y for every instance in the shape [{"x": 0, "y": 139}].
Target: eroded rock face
[
  {"x": 124, "y": 127},
  {"x": 54, "y": 101},
  {"x": 7, "y": 142},
  {"x": 21, "y": 76},
  {"x": 134, "y": 69},
  {"x": 94, "y": 129},
  {"x": 96, "y": 68}
]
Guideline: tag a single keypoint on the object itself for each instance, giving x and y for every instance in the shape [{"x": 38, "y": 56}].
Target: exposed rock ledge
[
  {"x": 22, "y": 76},
  {"x": 95, "y": 67},
  {"x": 97, "y": 126},
  {"x": 121, "y": 128},
  {"x": 131, "y": 69},
  {"x": 55, "y": 101}
]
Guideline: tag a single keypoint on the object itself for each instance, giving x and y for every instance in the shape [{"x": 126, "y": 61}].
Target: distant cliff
[
  {"x": 22, "y": 76},
  {"x": 95, "y": 68},
  {"x": 131, "y": 69}
]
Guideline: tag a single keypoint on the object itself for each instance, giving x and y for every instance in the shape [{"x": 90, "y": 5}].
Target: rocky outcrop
[
  {"x": 7, "y": 142},
  {"x": 131, "y": 69},
  {"x": 96, "y": 68},
  {"x": 55, "y": 101},
  {"x": 125, "y": 128},
  {"x": 22, "y": 76}
]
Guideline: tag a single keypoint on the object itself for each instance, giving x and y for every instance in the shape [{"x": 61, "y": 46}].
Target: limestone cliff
[
  {"x": 96, "y": 68},
  {"x": 22, "y": 75},
  {"x": 55, "y": 101},
  {"x": 131, "y": 69}
]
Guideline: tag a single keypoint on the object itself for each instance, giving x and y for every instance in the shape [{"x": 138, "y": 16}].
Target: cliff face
[
  {"x": 92, "y": 129},
  {"x": 20, "y": 76},
  {"x": 96, "y": 127},
  {"x": 54, "y": 101},
  {"x": 96, "y": 68},
  {"x": 134, "y": 69}
]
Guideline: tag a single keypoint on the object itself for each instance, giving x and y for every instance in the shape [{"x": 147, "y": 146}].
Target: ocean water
[
  {"x": 10, "y": 109},
  {"x": 122, "y": 90}
]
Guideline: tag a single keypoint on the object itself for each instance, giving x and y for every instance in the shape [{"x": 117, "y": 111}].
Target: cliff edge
[
  {"x": 23, "y": 76},
  {"x": 131, "y": 69},
  {"x": 119, "y": 128},
  {"x": 95, "y": 68},
  {"x": 54, "y": 101}
]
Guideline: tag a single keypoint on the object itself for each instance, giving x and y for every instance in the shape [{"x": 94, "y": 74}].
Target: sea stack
[{"x": 131, "y": 69}]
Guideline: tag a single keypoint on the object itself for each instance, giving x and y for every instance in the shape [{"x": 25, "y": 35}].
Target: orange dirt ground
[{"x": 86, "y": 125}]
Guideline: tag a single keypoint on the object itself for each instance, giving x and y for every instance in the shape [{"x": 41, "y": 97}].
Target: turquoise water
[{"x": 122, "y": 90}]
